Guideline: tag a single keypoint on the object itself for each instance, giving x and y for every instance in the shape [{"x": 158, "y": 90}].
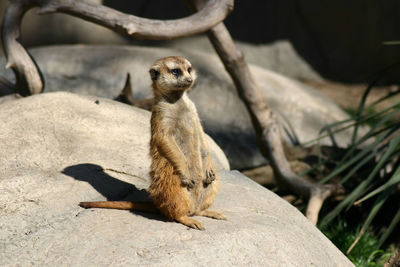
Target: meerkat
[{"x": 184, "y": 181}]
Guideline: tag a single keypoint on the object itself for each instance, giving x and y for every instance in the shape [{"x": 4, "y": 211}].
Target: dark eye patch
[
  {"x": 189, "y": 69},
  {"x": 176, "y": 72},
  {"x": 154, "y": 74}
]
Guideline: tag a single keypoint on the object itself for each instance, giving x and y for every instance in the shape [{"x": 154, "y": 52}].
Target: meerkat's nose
[{"x": 189, "y": 80}]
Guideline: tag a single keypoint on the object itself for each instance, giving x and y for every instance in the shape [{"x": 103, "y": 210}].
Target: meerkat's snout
[
  {"x": 186, "y": 82},
  {"x": 184, "y": 77}
]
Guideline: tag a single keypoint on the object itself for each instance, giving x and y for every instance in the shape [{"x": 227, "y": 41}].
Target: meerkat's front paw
[
  {"x": 186, "y": 182},
  {"x": 210, "y": 176}
]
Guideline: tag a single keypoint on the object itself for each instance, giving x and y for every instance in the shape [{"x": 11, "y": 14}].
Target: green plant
[
  {"x": 370, "y": 168},
  {"x": 343, "y": 234}
]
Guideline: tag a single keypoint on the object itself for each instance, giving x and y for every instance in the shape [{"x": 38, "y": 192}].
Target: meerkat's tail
[{"x": 121, "y": 205}]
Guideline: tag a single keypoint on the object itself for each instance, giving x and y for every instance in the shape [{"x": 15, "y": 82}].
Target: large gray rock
[
  {"x": 279, "y": 56},
  {"x": 59, "y": 148},
  {"x": 101, "y": 71},
  {"x": 65, "y": 129}
]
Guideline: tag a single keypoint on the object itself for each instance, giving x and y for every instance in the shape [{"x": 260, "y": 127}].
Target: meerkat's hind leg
[
  {"x": 211, "y": 214},
  {"x": 192, "y": 223}
]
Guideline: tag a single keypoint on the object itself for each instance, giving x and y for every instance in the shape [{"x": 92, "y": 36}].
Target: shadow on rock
[{"x": 111, "y": 188}]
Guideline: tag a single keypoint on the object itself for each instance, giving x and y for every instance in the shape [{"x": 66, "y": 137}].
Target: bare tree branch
[
  {"x": 265, "y": 122},
  {"x": 28, "y": 76},
  {"x": 126, "y": 96},
  {"x": 214, "y": 12},
  {"x": 317, "y": 197}
]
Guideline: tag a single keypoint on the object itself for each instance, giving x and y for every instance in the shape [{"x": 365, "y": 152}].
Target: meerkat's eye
[
  {"x": 190, "y": 69},
  {"x": 176, "y": 72}
]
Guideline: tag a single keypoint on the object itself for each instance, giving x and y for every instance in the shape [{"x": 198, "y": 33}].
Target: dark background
[{"x": 340, "y": 39}]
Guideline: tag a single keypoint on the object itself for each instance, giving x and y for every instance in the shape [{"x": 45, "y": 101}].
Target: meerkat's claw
[
  {"x": 192, "y": 223},
  {"x": 189, "y": 183},
  {"x": 210, "y": 177}
]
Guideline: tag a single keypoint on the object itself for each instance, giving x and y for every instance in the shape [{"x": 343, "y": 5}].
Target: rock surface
[
  {"x": 65, "y": 129},
  {"x": 101, "y": 71},
  {"x": 59, "y": 149},
  {"x": 279, "y": 56}
]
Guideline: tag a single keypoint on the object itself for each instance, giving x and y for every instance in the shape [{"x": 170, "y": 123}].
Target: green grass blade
[
  {"x": 375, "y": 209},
  {"x": 371, "y": 133},
  {"x": 358, "y": 166},
  {"x": 390, "y": 229},
  {"x": 360, "y": 120},
  {"x": 343, "y": 166},
  {"x": 391, "y": 43},
  {"x": 360, "y": 189},
  {"x": 360, "y": 111},
  {"x": 388, "y": 153},
  {"x": 392, "y": 181},
  {"x": 388, "y": 96}
]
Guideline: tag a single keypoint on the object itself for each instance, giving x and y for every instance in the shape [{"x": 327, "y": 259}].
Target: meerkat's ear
[{"x": 154, "y": 73}]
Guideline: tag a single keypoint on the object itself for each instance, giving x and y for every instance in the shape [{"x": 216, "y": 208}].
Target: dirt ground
[{"x": 348, "y": 96}]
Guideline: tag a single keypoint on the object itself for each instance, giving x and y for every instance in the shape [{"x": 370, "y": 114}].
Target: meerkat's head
[{"x": 172, "y": 74}]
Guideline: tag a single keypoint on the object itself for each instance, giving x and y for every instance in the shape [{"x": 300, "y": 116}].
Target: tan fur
[{"x": 183, "y": 180}]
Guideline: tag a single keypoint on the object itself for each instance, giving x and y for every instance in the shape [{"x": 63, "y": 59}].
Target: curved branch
[
  {"x": 213, "y": 13},
  {"x": 317, "y": 198},
  {"x": 28, "y": 77}
]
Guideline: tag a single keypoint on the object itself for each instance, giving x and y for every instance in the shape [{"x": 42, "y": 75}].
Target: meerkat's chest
[
  {"x": 184, "y": 125},
  {"x": 183, "y": 118}
]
